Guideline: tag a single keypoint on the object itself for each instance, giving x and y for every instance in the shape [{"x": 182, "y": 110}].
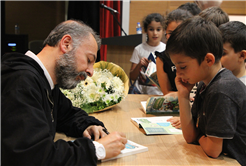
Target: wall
[
  {"x": 35, "y": 18},
  {"x": 139, "y": 9}
]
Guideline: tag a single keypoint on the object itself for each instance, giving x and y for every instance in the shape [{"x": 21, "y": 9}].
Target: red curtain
[{"x": 108, "y": 25}]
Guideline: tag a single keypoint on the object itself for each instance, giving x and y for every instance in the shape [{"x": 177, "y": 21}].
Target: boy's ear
[
  {"x": 66, "y": 43},
  {"x": 243, "y": 55},
  {"x": 209, "y": 59}
]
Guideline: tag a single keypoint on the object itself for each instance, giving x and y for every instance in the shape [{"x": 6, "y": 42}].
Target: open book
[
  {"x": 130, "y": 149},
  {"x": 149, "y": 72},
  {"x": 156, "y": 125},
  {"x": 167, "y": 104}
]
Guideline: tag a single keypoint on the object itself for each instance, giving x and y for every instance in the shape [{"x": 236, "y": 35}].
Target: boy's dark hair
[
  {"x": 196, "y": 37},
  {"x": 178, "y": 15},
  {"x": 152, "y": 17},
  {"x": 234, "y": 32},
  {"x": 191, "y": 7},
  {"x": 215, "y": 14}
]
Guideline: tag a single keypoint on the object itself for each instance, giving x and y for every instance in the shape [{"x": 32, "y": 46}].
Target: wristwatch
[{"x": 100, "y": 150}]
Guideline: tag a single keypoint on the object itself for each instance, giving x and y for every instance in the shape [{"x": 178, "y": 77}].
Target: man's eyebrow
[{"x": 94, "y": 57}]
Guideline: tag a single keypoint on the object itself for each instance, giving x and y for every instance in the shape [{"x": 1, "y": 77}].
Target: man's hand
[
  {"x": 96, "y": 131},
  {"x": 113, "y": 143}
]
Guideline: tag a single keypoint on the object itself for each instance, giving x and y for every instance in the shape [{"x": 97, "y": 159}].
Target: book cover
[
  {"x": 167, "y": 104},
  {"x": 150, "y": 69},
  {"x": 156, "y": 125},
  {"x": 130, "y": 149}
]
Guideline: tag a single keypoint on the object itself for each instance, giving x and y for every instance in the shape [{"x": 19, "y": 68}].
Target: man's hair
[
  {"x": 152, "y": 17},
  {"x": 78, "y": 30},
  {"x": 216, "y": 15},
  {"x": 234, "y": 32},
  {"x": 196, "y": 37},
  {"x": 202, "y": 4},
  {"x": 191, "y": 7},
  {"x": 178, "y": 15}
]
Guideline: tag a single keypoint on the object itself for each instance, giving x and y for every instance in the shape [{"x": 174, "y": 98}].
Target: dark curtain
[
  {"x": 99, "y": 19},
  {"x": 108, "y": 25},
  {"x": 88, "y": 12},
  {"x": 2, "y": 28}
]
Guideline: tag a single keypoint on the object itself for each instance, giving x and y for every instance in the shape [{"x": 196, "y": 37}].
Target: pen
[{"x": 105, "y": 130}]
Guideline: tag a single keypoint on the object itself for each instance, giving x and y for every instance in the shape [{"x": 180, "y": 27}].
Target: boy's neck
[
  {"x": 241, "y": 71},
  {"x": 213, "y": 71}
]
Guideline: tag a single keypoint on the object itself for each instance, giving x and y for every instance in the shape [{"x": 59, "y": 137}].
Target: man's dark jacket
[{"x": 31, "y": 115}]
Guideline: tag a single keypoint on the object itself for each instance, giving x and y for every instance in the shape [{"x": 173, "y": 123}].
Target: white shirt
[
  {"x": 243, "y": 79},
  {"x": 144, "y": 50}
]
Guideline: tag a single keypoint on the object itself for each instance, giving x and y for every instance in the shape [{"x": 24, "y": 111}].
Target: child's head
[
  {"x": 215, "y": 14},
  {"x": 234, "y": 43},
  {"x": 195, "y": 48},
  {"x": 173, "y": 19},
  {"x": 191, "y": 7},
  {"x": 152, "y": 17},
  {"x": 194, "y": 38},
  {"x": 154, "y": 25}
]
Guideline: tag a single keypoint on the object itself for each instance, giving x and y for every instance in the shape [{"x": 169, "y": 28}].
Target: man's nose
[{"x": 90, "y": 70}]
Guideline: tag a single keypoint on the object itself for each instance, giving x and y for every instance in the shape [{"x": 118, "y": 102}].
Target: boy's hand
[
  {"x": 183, "y": 87},
  {"x": 175, "y": 122}
]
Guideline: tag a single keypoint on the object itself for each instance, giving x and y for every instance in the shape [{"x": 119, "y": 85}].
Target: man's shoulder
[{"x": 20, "y": 74}]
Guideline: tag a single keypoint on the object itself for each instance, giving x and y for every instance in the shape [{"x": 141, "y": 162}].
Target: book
[
  {"x": 147, "y": 72},
  {"x": 130, "y": 149},
  {"x": 153, "y": 78},
  {"x": 167, "y": 104},
  {"x": 156, "y": 125}
]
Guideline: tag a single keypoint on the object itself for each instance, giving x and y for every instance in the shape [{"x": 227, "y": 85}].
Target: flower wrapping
[{"x": 106, "y": 88}]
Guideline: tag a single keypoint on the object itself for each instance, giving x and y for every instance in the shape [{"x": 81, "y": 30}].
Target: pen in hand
[{"x": 106, "y": 131}]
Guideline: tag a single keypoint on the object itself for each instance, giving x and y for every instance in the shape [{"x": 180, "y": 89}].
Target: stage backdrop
[{"x": 100, "y": 19}]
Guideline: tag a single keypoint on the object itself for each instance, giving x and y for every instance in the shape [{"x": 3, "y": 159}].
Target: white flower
[{"x": 97, "y": 92}]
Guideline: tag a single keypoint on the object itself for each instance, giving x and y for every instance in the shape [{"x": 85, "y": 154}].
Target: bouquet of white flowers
[{"x": 107, "y": 87}]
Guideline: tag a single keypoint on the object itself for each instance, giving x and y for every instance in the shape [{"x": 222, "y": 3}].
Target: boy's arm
[
  {"x": 189, "y": 130},
  {"x": 212, "y": 146}
]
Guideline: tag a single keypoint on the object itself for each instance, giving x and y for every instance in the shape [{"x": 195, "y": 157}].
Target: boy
[
  {"x": 234, "y": 45},
  {"x": 217, "y": 119}
]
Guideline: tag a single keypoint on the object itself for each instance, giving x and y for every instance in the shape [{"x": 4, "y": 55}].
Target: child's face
[
  {"x": 155, "y": 33},
  {"x": 170, "y": 28},
  {"x": 230, "y": 59},
  {"x": 189, "y": 69}
]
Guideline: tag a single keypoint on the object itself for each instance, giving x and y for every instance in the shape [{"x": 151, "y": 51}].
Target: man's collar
[{"x": 46, "y": 73}]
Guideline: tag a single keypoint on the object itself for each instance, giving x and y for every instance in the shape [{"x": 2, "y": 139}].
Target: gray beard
[{"x": 66, "y": 72}]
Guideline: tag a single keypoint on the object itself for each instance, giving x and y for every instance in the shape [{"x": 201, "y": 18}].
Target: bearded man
[{"x": 34, "y": 108}]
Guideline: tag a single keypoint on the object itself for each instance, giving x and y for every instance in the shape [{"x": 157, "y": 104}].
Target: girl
[
  {"x": 166, "y": 70},
  {"x": 153, "y": 25}
]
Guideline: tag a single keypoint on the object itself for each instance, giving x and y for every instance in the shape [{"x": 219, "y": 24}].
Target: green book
[{"x": 167, "y": 104}]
